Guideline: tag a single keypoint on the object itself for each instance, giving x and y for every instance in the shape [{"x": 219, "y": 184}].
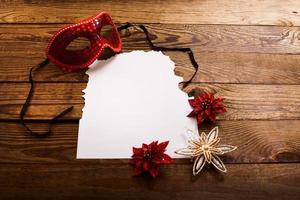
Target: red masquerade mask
[{"x": 74, "y": 60}]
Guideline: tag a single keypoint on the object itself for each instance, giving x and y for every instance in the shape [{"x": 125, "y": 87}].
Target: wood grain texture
[
  {"x": 257, "y": 141},
  {"x": 243, "y": 101},
  {"x": 226, "y": 54},
  {"x": 255, "y": 12},
  {"x": 242, "y": 68},
  {"x": 216, "y": 38},
  {"x": 248, "y": 51},
  {"x": 113, "y": 181}
]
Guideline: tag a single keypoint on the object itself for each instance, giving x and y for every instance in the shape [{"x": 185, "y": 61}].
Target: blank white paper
[{"x": 130, "y": 99}]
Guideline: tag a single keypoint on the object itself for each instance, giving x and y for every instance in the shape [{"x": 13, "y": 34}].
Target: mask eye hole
[
  {"x": 106, "y": 31},
  {"x": 78, "y": 44}
]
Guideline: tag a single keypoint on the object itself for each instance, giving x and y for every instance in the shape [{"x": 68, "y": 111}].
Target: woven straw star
[{"x": 205, "y": 149}]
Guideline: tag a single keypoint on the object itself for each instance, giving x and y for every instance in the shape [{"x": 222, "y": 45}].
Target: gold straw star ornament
[{"x": 205, "y": 149}]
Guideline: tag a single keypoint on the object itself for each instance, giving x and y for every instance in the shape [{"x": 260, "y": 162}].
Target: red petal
[
  {"x": 198, "y": 108},
  {"x": 146, "y": 166},
  {"x": 212, "y": 117},
  {"x": 218, "y": 100},
  {"x": 137, "y": 170},
  {"x": 204, "y": 95},
  {"x": 167, "y": 158},
  {"x": 200, "y": 118},
  {"x": 217, "y": 105},
  {"x": 137, "y": 151},
  {"x": 154, "y": 171},
  {"x": 192, "y": 102},
  {"x": 207, "y": 112},
  {"x": 163, "y": 145},
  {"x": 157, "y": 160},
  {"x": 220, "y": 109},
  {"x": 144, "y": 146},
  {"x": 191, "y": 114},
  {"x": 150, "y": 146}
]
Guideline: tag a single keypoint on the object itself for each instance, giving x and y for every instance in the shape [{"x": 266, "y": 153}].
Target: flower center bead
[
  {"x": 147, "y": 155},
  {"x": 205, "y": 104},
  {"x": 205, "y": 148}
]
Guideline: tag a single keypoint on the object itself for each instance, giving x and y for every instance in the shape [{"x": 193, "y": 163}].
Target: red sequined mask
[{"x": 74, "y": 60}]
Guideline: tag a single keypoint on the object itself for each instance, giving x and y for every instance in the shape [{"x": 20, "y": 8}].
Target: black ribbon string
[
  {"x": 68, "y": 109},
  {"x": 27, "y": 103}
]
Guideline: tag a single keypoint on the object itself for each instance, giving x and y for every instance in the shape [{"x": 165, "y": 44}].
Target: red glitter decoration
[
  {"x": 206, "y": 106},
  {"x": 149, "y": 157},
  {"x": 74, "y": 60}
]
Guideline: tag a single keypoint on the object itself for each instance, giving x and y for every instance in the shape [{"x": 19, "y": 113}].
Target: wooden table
[{"x": 249, "y": 52}]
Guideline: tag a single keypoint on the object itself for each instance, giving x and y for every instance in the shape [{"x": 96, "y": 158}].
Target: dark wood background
[{"x": 249, "y": 52}]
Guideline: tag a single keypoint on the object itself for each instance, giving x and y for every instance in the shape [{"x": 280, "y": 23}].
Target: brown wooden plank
[
  {"x": 245, "y": 68},
  {"x": 217, "y": 49},
  {"x": 216, "y": 38},
  {"x": 214, "y": 68},
  {"x": 257, "y": 141},
  {"x": 256, "y": 12},
  {"x": 243, "y": 101},
  {"x": 113, "y": 180}
]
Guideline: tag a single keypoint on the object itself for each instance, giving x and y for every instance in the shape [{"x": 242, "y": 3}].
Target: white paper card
[{"x": 130, "y": 99}]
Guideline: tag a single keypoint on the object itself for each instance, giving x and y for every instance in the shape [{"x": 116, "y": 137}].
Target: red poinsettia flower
[
  {"x": 149, "y": 157},
  {"x": 206, "y": 106}
]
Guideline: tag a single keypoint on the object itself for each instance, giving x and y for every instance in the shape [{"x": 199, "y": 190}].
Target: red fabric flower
[
  {"x": 206, "y": 106},
  {"x": 149, "y": 157}
]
